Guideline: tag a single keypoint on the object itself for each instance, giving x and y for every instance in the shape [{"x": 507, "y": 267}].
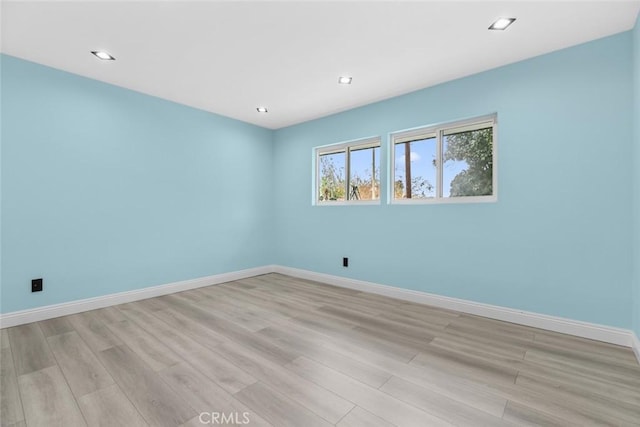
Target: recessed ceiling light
[
  {"x": 345, "y": 80},
  {"x": 262, "y": 109},
  {"x": 502, "y": 23},
  {"x": 103, "y": 55}
]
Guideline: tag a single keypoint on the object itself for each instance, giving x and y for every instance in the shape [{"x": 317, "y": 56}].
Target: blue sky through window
[
  {"x": 423, "y": 171},
  {"x": 423, "y": 154}
]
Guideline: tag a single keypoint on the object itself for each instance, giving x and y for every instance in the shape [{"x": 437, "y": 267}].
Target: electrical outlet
[
  {"x": 36, "y": 285},
  {"x": 345, "y": 262}
]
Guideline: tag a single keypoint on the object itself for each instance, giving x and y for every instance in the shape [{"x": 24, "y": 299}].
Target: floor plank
[
  {"x": 424, "y": 317},
  {"x": 48, "y": 400},
  {"x": 221, "y": 371},
  {"x": 205, "y": 396},
  {"x": 614, "y": 359},
  {"x": 322, "y": 402},
  {"x": 481, "y": 369},
  {"x": 55, "y": 326},
  {"x": 236, "y": 333},
  {"x": 94, "y": 333},
  {"x": 361, "y": 337},
  {"x": 10, "y": 403},
  {"x": 152, "y": 397},
  {"x": 81, "y": 368},
  {"x": 109, "y": 407},
  {"x": 109, "y": 315},
  {"x": 196, "y": 331},
  {"x": 378, "y": 323},
  {"x": 247, "y": 301},
  {"x": 224, "y": 373},
  {"x": 167, "y": 333},
  {"x": 439, "y": 405},
  {"x": 368, "y": 398},
  {"x": 549, "y": 405},
  {"x": 274, "y": 299},
  {"x": 628, "y": 375},
  {"x": 144, "y": 345},
  {"x": 505, "y": 330},
  {"x": 232, "y": 313},
  {"x": 154, "y": 304},
  {"x": 556, "y": 377},
  {"x": 4, "y": 338},
  {"x": 277, "y": 409},
  {"x": 30, "y": 350},
  {"x": 316, "y": 350},
  {"x": 584, "y": 345},
  {"x": 586, "y": 400},
  {"x": 524, "y": 416},
  {"x": 358, "y": 417},
  {"x": 442, "y": 381}
]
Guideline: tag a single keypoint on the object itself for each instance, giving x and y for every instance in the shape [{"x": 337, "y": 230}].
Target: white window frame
[
  {"x": 346, "y": 147},
  {"x": 439, "y": 131}
]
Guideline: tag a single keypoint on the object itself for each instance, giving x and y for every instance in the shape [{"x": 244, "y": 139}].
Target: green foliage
[
  {"x": 476, "y": 149},
  {"x": 398, "y": 188},
  {"x": 421, "y": 188},
  {"x": 332, "y": 182},
  {"x": 368, "y": 187}
]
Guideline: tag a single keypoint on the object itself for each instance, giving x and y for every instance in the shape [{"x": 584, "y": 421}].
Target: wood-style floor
[{"x": 274, "y": 350}]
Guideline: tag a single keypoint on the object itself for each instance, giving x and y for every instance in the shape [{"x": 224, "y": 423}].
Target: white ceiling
[{"x": 230, "y": 57}]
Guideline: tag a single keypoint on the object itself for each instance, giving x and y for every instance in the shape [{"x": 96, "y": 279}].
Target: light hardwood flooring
[{"x": 279, "y": 351}]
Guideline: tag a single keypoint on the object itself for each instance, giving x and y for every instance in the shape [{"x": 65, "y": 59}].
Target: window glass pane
[
  {"x": 331, "y": 185},
  {"x": 364, "y": 174},
  {"x": 468, "y": 163},
  {"x": 415, "y": 169}
]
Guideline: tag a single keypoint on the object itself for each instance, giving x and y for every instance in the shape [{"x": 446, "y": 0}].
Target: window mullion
[
  {"x": 347, "y": 167},
  {"x": 318, "y": 182},
  {"x": 373, "y": 173},
  {"x": 439, "y": 164}
]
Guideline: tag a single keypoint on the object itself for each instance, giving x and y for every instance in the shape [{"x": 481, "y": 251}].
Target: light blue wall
[
  {"x": 107, "y": 190},
  {"x": 636, "y": 168},
  {"x": 556, "y": 242}
]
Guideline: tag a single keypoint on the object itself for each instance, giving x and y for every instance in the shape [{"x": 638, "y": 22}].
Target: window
[
  {"x": 452, "y": 162},
  {"x": 348, "y": 173}
]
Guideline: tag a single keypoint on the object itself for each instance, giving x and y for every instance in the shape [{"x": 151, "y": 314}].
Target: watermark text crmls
[{"x": 221, "y": 418}]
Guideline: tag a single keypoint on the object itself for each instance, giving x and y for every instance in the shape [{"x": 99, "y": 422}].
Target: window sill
[
  {"x": 445, "y": 200},
  {"x": 349, "y": 203}
]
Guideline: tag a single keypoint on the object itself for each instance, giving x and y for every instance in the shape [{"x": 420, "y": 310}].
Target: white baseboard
[
  {"x": 592, "y": 331},
  {"x": 64, "y": 309},
  {"x": 636, "y": 346}
]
